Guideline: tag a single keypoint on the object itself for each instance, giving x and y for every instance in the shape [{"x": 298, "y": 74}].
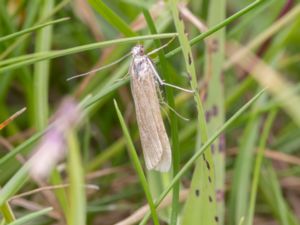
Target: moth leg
[
  {"x": 161, "y": 82},
  {"x": 174, "y": 111},
  {"x": 176, "y": 87},
  {"x": 167, "y": 106}
]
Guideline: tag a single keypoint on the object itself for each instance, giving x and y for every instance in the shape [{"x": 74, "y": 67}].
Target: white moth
[{"x": 154, "y": 139}]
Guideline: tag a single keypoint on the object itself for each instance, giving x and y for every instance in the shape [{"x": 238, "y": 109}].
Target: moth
[
  {"x": 144, "y": 79},
  {"x": 155, "y": 142}
]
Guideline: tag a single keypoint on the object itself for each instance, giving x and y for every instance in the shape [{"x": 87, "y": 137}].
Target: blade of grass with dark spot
[
  {"x": 214, "y": 100},
  {"x": 198, "y": 153},
  {"x": 200, "y": 206}
]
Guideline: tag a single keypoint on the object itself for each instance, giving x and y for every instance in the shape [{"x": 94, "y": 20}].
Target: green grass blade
[
  {"x": 239, "y": 196},
  {"x": 112, "y": 17},
  {"x": 31, "y": 217},
  {"x": 77, "y": 210},
  {"x": 60, "y": 193},
  {"x": 14, "y": 184},
  {"x": 41, "y": 71},
  {"x": 21, "y": 147},
  {"x": 258, "y": 162},
  {"x": 87, "y": 47},
  {"x": 274, "y": 197},
  {"x": 7, "y": 213},
  {"x": 31, "y": 29},
  {"x": 137, "y": 165}
]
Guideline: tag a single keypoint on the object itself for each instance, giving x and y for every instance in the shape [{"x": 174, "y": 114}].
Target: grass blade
[
  {"x": 112, "y": 17},
  {"x": 41, "y": 71},
  {"x": 83, "y": 48},
  {"x": 137, "y": 165},
  {"x": 30, "y": 217},
  {"x": 77, "y": 210},
  {"x": 214, "y": 103},
  {"x": 258, "y": 162},
  {"x": 31, "y": 29}
]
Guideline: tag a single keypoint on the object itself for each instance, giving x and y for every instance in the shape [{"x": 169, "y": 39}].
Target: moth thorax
[
  {"x": 141, "y": 66},
  {"x": 137, "y": 50}
]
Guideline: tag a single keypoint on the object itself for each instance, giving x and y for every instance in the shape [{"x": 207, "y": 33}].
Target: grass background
[{"x": 236, "y": 161}]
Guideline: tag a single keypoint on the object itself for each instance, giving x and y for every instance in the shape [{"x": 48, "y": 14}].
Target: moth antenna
[
  {"x": 163, "y": 46},
  {"x": 100, "y": 68}
]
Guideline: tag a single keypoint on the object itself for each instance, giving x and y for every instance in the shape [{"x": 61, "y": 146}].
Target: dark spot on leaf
[
  {"x": 179, "y": 16},
  {"x": 210, "y": 198},
  {"x": 221, "y": 143},
  {"x": 209, "y": 179},
  {"x": 203, "y": 157},
  {"x": 215, "y": 110},
  {"x": 189, "y": 59},
  {"x": 221, "y": 147},
  {"x": 207, "y": 165},
  {"x": 197, "y": 192},
  {"x": 207, "y": 116},
  {"x": 214, "y": 45},
  {"x": 216, "y": 219},
  {"x": 204, "y": 96},
  {"x": 189, "y": 76}
]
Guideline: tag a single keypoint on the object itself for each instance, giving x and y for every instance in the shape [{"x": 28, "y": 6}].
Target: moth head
[{"x": 137, "y": 50}]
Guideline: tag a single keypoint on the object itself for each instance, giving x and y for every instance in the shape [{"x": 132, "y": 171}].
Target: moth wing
[{"x": 155, "y": 142}]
